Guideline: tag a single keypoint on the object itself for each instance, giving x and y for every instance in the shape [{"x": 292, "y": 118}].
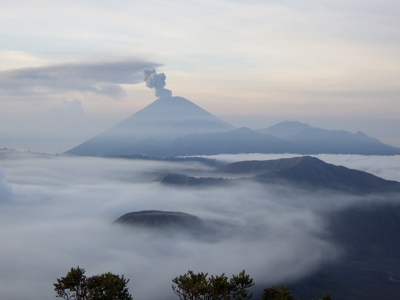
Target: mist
[{"x": 59, "y": 211}]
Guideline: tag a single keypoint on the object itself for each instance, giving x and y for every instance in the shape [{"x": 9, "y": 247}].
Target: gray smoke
[
  {"x": 104, "y": 77},
  {"x": 156, "y": 81}
]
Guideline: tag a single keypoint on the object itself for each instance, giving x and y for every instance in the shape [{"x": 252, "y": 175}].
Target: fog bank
[{"x": 58, "y": 214}]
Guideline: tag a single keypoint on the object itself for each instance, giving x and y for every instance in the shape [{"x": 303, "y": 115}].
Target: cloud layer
[
  {"x": 100, "y": 78},
  {"x": 62, "y": 207}
]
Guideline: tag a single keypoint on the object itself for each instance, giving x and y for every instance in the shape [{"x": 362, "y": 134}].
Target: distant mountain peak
[
  {"x": 312, "y": 140},
  {"x": 291, "y": 124},
  {"x": 286, "y": 129},
  {"x": 165, "y": 119}
]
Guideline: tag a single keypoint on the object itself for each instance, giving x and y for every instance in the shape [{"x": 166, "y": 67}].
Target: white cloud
[
  {"x": 5, "y": 191},
  {"x": 62, "y": 208}
]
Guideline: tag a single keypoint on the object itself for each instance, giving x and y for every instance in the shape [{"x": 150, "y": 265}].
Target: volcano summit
[{"x": 152, "y": 127}]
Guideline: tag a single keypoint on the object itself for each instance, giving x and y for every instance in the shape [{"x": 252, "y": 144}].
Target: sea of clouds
[{"x": 56, "y": 213}]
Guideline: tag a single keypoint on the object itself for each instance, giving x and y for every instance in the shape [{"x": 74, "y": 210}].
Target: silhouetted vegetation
[
  {"x": 190, "y": 286},
  {"x": 283, "y": 293},
  {"x": 105, "y": 286}
]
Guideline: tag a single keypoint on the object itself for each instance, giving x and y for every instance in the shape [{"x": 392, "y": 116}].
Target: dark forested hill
[
  {"x": 311, "y": 172},
  {"x": 303, "y": 172}
]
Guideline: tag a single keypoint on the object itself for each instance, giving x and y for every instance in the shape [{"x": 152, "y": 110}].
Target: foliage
[
  {"x": 107, "y": 286},
  {"x": 273, "y": 293},
  {"x": 191, "y": 286},
  {"x": 283, "y": 293}
]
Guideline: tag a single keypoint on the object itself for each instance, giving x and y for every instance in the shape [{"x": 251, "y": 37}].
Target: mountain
[
  {"x": 175, "y": 126},
  {"x": 286, "y": 137},
  {"x": 311, "y": 140},
  {"x": 159, "y": 219},
  {"x": 242, "y": 140},
  {"x": 171, "y": 223},
  {"x": 152, "y": 128},
  {"x": 303, "y": 172},
  {"x": 313, "y": 173}
]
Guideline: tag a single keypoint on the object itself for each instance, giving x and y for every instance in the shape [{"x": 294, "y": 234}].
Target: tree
[
  {"x": 283, "y": 293},
  {"x": 107, "y": 286},
  {"x": 191, "y": 286},
  {"x": 273, "y": 293}
]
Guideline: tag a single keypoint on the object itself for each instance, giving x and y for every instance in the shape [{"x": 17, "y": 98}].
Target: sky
[
  {"x": 56, "y": 213},
  {"x": 71, "y": 69}
]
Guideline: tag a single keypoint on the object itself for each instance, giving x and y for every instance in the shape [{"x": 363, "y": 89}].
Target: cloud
[
  {"x": 63, "y": 207},
  {"x": 5, "y": 191},
  {"x": 66, "y": 107},
  {"x": 97, "y": 77}
]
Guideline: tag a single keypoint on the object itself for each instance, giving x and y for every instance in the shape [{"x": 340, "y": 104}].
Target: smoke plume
[
  {"x": 156, "y": 81},
  {"x": 104, "y": 78}
]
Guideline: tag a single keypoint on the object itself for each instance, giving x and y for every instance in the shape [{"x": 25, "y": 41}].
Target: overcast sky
[{"x": 70, "y": 69}]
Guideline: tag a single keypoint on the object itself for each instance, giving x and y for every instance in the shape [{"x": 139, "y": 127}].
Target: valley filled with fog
[{"x": 56, "y": 213}]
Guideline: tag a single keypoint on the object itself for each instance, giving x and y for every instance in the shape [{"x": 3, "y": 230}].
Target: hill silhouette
[
  {"x": 159, "y": 219},
  {"x": 163, "y": 120},
  {"x": 169, "y": 223},
  {"x": 175, "y": 126},
  {"x": 313, "y": 173},
  {"x": 303, "y": 172},
  {"x": 311, "y": 140}
]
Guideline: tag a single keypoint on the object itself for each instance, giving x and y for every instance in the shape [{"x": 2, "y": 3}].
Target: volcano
[
  {"x": 151, "y": 128},
  {"x": 175, "y": 126}
]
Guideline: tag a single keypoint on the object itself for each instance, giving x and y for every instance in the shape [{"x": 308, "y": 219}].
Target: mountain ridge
[
  {"x": 175, "y": 126},
  {"x": 313, "y": 140},
  {"x": 303, "y": 172}
]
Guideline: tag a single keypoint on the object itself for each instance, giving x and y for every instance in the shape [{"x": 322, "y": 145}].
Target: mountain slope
[
  {"x": 242, "y": 140},
  {"x": 163, "y": 120},
  {"x": 174, "y": 126},
  {"x": 311, "y": 172},
  {"x": 311, "y": 140},
  {"x": 304, "y": 172}
]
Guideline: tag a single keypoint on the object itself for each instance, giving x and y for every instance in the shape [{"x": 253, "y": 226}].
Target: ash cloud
[
  {"x": 63, "y": 207},
  {"x": 156, "y": 81},
  {"x": 98, "y": 77}
]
